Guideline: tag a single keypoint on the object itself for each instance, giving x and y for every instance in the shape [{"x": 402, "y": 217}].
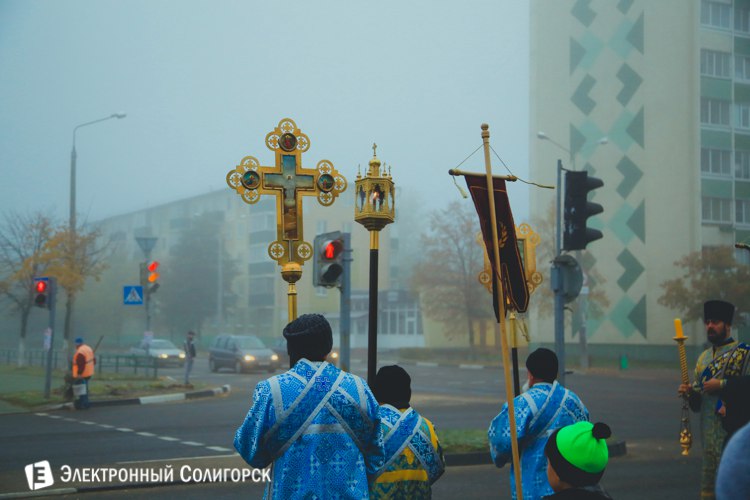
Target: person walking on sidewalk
[
  {"x": 413, "y": 456},
  {"x": 83, "y": 370},
  {"x": 541, "y": 410},
  {"x": 317, "y": 426},
  {"x": 189, "y": 347}
]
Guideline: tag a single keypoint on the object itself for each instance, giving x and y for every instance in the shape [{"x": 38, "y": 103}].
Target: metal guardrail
[{"x": 105, "y": 363}]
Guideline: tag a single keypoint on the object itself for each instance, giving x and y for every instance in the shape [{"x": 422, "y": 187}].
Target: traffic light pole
[
  {"x": 345, "y": 305},
  {"x": 52, "y": 302},
  {"x": 557, "y": 284}
]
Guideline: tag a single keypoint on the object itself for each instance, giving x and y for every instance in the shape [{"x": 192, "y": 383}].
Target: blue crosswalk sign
[{"x": 132, "y": 295}]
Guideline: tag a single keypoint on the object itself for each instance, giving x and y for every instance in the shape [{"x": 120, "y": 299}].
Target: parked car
[
  {"x": 279, "y": 347},
  {"x": 241, "y": 353},
  {"x": 163, "y": 350}
]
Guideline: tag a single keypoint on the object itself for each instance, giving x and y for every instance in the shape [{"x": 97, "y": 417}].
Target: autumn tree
[
  {"x": 446, "y": 275},
  {"x": 712, "y": 273},
  {"x": 73, "y": 257},
  {"x": 23, "y": 239},
  {"x": 190, "y": 278}
]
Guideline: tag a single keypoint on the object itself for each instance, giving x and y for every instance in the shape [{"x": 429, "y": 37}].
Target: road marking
[
  {"x": 426, "y": 363},
  {"x": 471, "y": 367},
  {"x": 176, "y": 459},
  {"x": 144, "y": 434}
]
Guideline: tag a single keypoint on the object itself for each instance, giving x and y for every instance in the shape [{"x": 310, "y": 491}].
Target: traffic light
[
  {"x": 151, "y": 277},
  {"x": 328, "y": 265},
  {"x": 578, "y": 209},
  {"x": 42, "y": 292}
]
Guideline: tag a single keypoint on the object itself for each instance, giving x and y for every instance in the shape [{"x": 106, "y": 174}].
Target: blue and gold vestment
[
  {"x": 540, "y": 411},
  {"x": 318, "y": 427}
]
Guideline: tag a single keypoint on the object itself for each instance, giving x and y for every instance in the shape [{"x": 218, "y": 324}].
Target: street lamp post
[
  {"x": 557, "y": 271},
  {"x": 73, "y": 157},
  {"x": 72, "y": 219}
]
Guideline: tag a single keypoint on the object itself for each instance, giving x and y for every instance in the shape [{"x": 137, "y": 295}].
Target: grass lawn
[{"x": 24, "y": 386}]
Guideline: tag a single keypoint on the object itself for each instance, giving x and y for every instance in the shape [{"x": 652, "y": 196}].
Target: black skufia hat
[
  {"x": 718, "y": 310},
  {"x": 392, "y": 386},
  {"x": 309, "y": 335}
]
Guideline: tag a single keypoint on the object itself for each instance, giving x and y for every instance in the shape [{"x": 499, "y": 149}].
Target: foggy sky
[{"x": 203, "y": 82}]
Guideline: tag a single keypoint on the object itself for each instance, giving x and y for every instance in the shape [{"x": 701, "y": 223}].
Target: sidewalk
[{"x": 28, "y": 383}]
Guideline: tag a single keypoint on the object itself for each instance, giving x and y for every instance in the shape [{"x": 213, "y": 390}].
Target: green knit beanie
[{"x": 579, "y": 453}]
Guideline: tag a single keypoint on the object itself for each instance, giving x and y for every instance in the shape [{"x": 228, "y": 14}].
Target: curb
[{"x": 162, "y": 398}]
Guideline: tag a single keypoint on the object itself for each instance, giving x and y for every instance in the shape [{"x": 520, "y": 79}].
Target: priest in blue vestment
[
  {"x": 317, "y": 426},
  {"x": 413, "y": 456},
  {"x": 545, "y": 407}
]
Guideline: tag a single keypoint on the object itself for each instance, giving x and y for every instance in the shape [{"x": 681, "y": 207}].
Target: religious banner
[{"x": 511, "y": 261}]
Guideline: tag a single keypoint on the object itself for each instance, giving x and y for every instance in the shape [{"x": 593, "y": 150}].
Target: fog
[{"x": 202, "y": 83}]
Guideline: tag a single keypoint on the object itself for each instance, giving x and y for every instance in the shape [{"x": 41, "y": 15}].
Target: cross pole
[{"x": 288, "y": 182}]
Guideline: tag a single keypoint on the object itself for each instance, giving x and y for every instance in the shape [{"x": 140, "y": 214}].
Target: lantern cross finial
[{"x": 374, "y": 149}]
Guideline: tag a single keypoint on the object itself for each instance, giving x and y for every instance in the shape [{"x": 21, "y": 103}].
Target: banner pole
[{"x": 501, "y": 313}]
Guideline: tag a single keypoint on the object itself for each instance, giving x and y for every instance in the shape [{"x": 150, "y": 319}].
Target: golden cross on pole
[{"x": 288, "y": 181}]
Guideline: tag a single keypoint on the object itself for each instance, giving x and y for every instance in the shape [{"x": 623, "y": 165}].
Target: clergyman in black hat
[
  {"x": 703, "y": 394},
  {"x": 413, "y": 456},
  {"x": 318, "y": 425}
]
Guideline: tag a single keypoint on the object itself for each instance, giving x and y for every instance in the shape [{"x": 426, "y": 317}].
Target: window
[
  {"x": 742, "y": 20},
  {"x": 743, "y": 115},
  {"x": 714, "y": 111},
  {"x": 742, "y": 211},
  {"x": 715, "y": 63},
  {"x": 742, "y": 67},
  {"x": 716, "y": 210},
  {"x": 715, "y": 14},
  {"x": 715, "y": 161},
  {"x": 742, "y": 164}
]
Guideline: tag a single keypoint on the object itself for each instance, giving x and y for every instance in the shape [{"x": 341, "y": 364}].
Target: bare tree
[
  {"x": 446, "y": 276},
  {"x": 23, "y": 239}
]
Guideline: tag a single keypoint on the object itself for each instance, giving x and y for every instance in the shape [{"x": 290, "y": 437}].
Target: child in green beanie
[{"x": 576, "y": 458}]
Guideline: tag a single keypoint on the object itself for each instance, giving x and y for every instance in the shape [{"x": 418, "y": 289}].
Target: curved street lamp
[{"x": 73, "y": 156}]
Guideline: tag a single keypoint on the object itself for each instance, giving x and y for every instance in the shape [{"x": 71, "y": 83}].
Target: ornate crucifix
[{"x": 288, "y": 182}]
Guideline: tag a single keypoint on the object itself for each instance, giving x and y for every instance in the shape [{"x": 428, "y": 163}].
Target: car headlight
[
  {"x": 163, "y": 356},
  {"x": 274, "y": 357},
  {"x": 182, "y": 355},
  {"x": 248, "y": 357},
  {"x": 334, "y": 355}
]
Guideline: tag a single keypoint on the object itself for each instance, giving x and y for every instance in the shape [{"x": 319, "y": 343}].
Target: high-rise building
[{"x": 667, "y": 84}]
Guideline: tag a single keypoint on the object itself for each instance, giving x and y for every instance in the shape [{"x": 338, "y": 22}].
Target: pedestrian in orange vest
[{"x": 83, "y": 369}]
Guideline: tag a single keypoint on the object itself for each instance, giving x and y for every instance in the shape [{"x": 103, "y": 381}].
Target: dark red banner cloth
[{"x": 511, "y": 260}]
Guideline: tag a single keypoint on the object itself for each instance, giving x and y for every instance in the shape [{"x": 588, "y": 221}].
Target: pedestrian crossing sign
[{"x": 132, "y": 295}]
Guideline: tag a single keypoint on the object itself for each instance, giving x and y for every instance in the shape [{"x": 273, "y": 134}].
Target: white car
[{"x": 163, "y": 350}]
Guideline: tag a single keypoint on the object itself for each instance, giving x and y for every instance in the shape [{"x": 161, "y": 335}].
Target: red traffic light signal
[
  {"x": 332, "y": 249},
  {"x": 152, "y": 274},
  {"x": 328, "y": 265},
  {"x": 42, "y": 292}
]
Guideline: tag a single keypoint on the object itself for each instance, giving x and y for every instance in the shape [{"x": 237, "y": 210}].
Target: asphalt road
[{"x": 641, "y": 408}]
